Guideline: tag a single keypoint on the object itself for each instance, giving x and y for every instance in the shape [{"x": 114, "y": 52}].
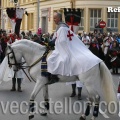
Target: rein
[
  {"x": 44, "y": 55},
  {"x": 20, "y": 65}
]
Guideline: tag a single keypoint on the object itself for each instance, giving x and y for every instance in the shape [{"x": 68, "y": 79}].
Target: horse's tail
[{"x": 107, "y": 84}]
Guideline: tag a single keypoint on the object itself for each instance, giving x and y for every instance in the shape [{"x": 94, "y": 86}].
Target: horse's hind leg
[
  {"x": 96, "y": 107},
  {"x": 90, "y": 102},
  {"x": 87, "y": 111},
  {"x": 91, "y": 80},
  {"x": 93, "y": 98}
]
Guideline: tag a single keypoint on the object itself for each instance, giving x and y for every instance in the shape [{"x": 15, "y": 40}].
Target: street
[
  {"x": 76, "y": 31},
  {"x": 14, "y": 105}
]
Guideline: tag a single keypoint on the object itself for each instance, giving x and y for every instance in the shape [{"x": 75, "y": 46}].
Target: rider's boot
[
  {"x": 73, "y": 90},
  {"x": 19, "y": 84},
  {"x": 52, "y": 79},
  {"x": 13, "y": 84}
]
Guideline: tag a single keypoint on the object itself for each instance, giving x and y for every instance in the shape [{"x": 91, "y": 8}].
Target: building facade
[
  {"x": 91, "y": 12},
  {"x": 0, "y": 14},
  {"x": 28, "y": 22}
]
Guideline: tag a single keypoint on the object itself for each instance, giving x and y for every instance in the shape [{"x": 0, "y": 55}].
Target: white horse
[{"x": 32, "y": 53}]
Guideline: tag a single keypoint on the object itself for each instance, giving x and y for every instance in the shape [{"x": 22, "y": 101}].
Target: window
[
  {"x": 23, "y": 23},
  {"x": 54, "y": 25},
  {"x": 9, "y": 3},
  {"x": 95, "y": 17},
  {"x": 112, "y": 22},
  {"x": 2, "y": 3},
  {"x": 30, "y": 21},
  {"x": 82, "y": 21},
  {"x": 20, "y": 1},
  {"x": 9, "y": 23}
]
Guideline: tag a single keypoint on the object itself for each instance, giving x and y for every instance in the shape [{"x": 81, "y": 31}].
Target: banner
[
  {"x": 15, "y": 15},
  {"x": 72, "y": 18}
]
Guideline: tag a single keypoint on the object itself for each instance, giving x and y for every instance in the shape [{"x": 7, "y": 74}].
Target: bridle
[{"x": 20, "y": 65}]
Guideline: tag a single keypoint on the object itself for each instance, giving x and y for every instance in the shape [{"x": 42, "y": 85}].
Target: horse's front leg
[
  {"x": 46, "y": 97},
  {"x": 38, "y": 86}
]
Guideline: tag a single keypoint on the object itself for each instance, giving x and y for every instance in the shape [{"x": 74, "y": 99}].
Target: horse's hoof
[
  {"x": 43, "y": 114},
  {"x": 82, "y": 118},
  {"x": 31, "y": 116},
  {"x": 47, "y": 106}
]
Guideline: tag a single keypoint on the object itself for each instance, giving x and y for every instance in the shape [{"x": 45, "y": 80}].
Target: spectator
[
  {"x": 36, "y": 39},
  {"x": 79, "y": 86},
  {"x": 86, "y": 40},
  {"x": 23, "y": 34},
  {"x": 96, "y": 49}
]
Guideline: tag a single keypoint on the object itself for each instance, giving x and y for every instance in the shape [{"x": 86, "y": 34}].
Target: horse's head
[{"x": 14, "y": 57}]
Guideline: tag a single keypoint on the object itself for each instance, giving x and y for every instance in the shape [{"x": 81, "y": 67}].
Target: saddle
[
  {"x": 44, "y": 71},
  {"x": 52, "y": 78}
]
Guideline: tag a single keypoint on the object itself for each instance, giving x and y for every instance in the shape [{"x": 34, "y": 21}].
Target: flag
[
  {"x": 72, "y": 18},
  {"x": 15, "y": 15}
]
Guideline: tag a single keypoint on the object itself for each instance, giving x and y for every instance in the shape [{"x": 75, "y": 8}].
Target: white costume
[
  {"x": 78, "y": 83},
  {"x": 86, "y": 41},
  {"x": 71, "y": 56},
  {"x": 106, "y": 44},
  {"x": 19, "y": 74},
  {"x": 6, "y": 74}
]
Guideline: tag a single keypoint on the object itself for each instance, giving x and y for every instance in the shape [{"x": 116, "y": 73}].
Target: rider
[
  {"x": 58, "y": 21},
  {"x": 70, "y": 56}
]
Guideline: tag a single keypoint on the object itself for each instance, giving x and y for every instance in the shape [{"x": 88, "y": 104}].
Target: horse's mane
[{"x": 32, "y": 45}]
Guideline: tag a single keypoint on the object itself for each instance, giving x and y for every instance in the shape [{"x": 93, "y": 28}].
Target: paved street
[
  {"x": 57, "y": 92},
  {"x": 64, "y": 27}
]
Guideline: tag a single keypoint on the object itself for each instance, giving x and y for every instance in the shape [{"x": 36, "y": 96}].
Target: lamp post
[
  {"x": 38, "y": 8},
  {"x": 2, "y": 19}
]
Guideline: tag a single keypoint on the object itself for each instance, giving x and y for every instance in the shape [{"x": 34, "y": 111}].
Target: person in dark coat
[
  {"x": 96, "y": 49},
  {"x": 3, "y": 46},
  {"x": 114, "y": 57}
]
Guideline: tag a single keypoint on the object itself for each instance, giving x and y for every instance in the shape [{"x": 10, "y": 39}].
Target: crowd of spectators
[{"x": 101, "y": 44}]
